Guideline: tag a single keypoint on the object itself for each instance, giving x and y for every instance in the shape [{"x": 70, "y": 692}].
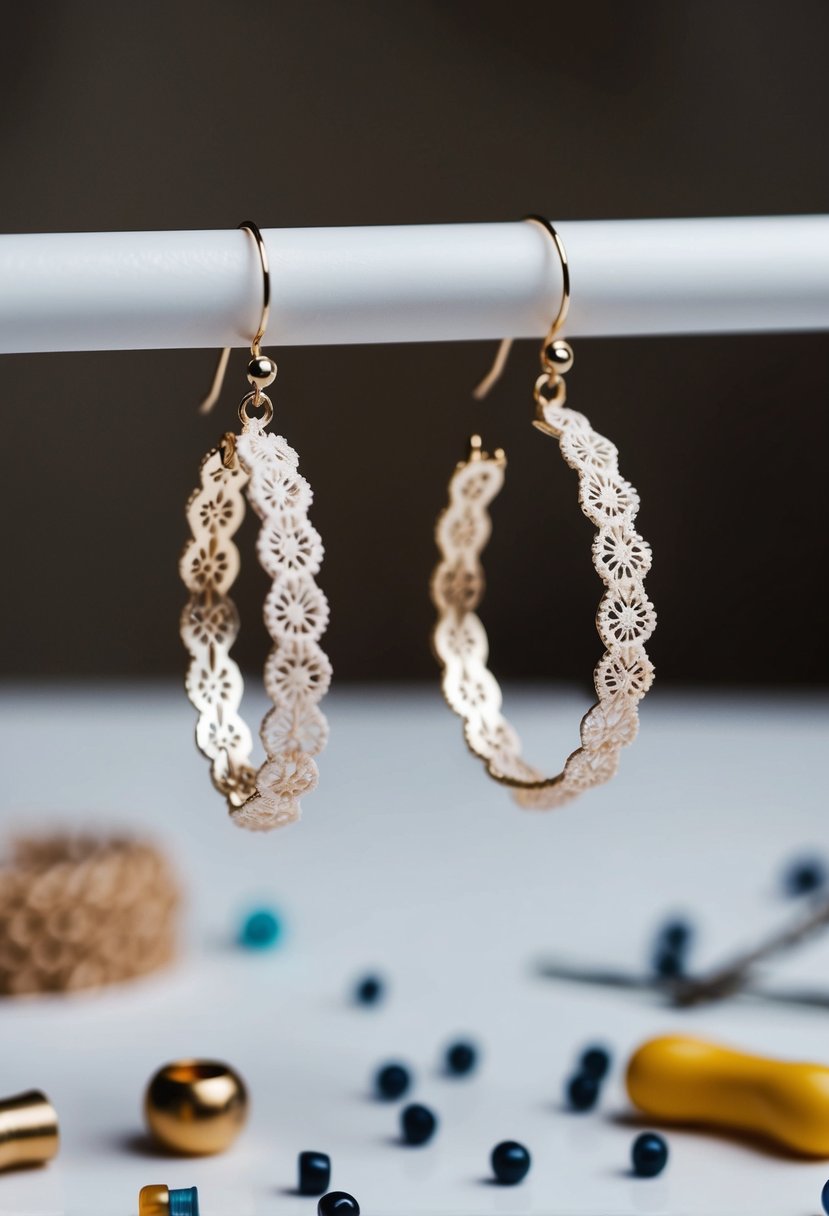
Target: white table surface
[{"x": 409, "y": 861}]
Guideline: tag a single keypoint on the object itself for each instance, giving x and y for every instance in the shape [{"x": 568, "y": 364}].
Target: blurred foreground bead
[
  {"x": 369, "y": 990},
  {"x": 392, "y": 1081},
  {"x": 582, "y": 1092},
  {"x": 260, "y": 930},
  {"x": 161, "y": 1201},
  {"x": 196, "y": 1107},
  {"x": 83, "y": 911},
  {"x": 461, "y": 1058},
  {"x": 824, "y": 1198},
  {"x": 314, "y": 1173},
  {"x": 417, "y": 1124},
  {"x": 338, "y": 1203},
  {"x": 649, "y": 1155},
  {"x": 510, "y": 1162},
  {"x": 28, "y": 1130},
  {"x": 595, "y": 1063},
  {"x": 804, "y": 875}
]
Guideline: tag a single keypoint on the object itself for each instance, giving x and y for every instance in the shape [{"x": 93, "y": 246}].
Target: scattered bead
[
  {"x": 338, "y": 1203},
  {"x": 392, "y": 1081},
  {"x": 824, "y": 1198},
  {"x": 260, "y": 930},
  {"x": 668, "y": 964},
  {"x": 160, "y": 1200},
  {"x": 804, "y": 875},
  {"x": 649, "y": 1155},
  {"x": 417, "y": 1124},
  {"x": 314, "y": 1173},
  {"x": 510, "y": 1162},
  {"x": 677, "y": 934},
  {"x": 582, "y": 1091},
  {"x": 461, "y": 1058},
  {"x": 670, "y": 954},
  {"x": 595, "y": 1062},
  {"x": 369, "y": 990}
]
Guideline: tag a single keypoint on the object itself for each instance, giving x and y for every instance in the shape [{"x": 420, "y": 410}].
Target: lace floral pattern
[
  {"x": 263, "y": 466},
  {"x": 625, "y": 620}
]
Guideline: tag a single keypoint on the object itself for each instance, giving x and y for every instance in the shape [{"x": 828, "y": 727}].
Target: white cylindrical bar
[{"x": 139, "y": 290}]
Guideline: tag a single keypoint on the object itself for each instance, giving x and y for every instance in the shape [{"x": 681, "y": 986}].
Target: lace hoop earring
[
  {"x": 625, "y": 618},
  {"x": 261, "y": 466}
]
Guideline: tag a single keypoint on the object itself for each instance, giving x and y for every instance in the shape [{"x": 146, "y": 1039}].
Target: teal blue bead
[
  {"x": 184, "y": 1202},
  {"x": 261, "y": 930}
]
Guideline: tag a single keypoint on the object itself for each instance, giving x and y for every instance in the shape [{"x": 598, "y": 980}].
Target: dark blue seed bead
[
  {"x": 648, "y": 1155},
  {"x": 461, "y": 1058},
  {"x": 668, "y": 964},
  {"x": 582, "y": 1091},
  {"x": 184, "y": 1202},
  {"x": 314, "y": 1173},
  {"x": 369, "y": 990},
  {"x": 804, "y": 875},
  {"x": 676, "y": 935},
  {"x": 417, "y": 1124},
  {"x": 260, "y": 930},
  {"x": 510, "y": 1162},
  {"x": 392, "y": 1081},
  {"x": 824, "y": 1198},
  {"x": 338, "y": 1203},
  {"x": 595, "y": 1062}
]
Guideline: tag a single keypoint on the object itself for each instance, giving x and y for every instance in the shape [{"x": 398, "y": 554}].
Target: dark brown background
[{"x": 184, "y": 115}]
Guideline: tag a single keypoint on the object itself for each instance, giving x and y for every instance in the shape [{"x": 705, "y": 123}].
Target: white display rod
[{"x": 439, "y": 282}]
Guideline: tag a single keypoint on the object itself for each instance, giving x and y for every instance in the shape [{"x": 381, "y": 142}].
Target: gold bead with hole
[
  {"x": 261, "y": 371},
  {"x": 196, "y": 1107}
]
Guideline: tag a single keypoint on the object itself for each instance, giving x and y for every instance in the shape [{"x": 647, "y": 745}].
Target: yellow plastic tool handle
[{"x": 693, "y": 1081}]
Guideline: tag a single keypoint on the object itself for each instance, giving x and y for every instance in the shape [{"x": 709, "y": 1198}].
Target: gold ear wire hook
[
  {"x": 255, "y": 348},
  {"x": 502, "y": 354}
]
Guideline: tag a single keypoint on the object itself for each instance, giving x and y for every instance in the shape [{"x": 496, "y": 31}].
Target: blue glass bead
[
  {"x": 824, "y": 1198},
  {"x": 184, "y": 1202},
  {"x": 582, "y": 1091},
  {"x": 461, "y": 1058},
  {"x": 668, "y": 964},
  {"x": 804, "y": 875},
  {"x": 649, "y": 1155},
  {"x": 510, "y": 1162},
  {"x": 369, "y": 990},
  {"x": 261, "y": 930},
  {"x": 314, "y": 1173},
  {"x": 392, "y": 1081},
  {"x": 676, "y": 935},
  {"x": 417, "y": 1124},
  {"x": 338, "y": 1203},
  {"x": 595, "y": 1062}
]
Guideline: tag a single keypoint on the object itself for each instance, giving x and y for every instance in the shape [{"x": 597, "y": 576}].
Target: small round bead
[
  {"x": 582, "y": 1091},
  {"x": 314, "y": 1173},
  {"x": 668, "y": 964},
  {"x": 461, "y": 1058},
  {"x": 824, "y": 1198},
  {"x": 338, "y": 1203},
  {"x": 676, "y": 935},
  {"x": 369, "y": 990},
  {"x": 261, "y": 371},
  {"x": 649, "y": 1155},
  {"x": 804, "y": 875},
  {"x": 392, "y": 1081},
  {"x": 260, "y": 930},
  {"x": 595, "y": 1062},
  {"x": 510, "y": 1162},
  {"x": 417, "y": 1124},
  {"x": 558, "y": 356}
]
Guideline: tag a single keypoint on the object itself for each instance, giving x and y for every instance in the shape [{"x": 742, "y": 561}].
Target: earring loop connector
[
  {"x": 255, "y": 346},
  {"x": 502, "y": 354}
]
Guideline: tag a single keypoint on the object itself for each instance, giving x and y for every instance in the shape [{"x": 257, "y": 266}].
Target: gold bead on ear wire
[{"x": 196, "y": 1107}]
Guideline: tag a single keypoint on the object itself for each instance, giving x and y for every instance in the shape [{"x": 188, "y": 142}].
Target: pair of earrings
[{"x": 260, "y": 466}]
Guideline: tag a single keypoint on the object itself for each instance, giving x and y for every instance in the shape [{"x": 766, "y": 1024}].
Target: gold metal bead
[
  {"x": 28, "y": 1130},
  {"x": 161, "y": 1201},
  {"x": 196, "y": 1107},
  {"x": 557, "y": 357},
  {"x": 261, "y": 371}
]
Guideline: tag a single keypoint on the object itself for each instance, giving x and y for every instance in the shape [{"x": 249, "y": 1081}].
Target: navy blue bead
[
  {"x": 314, "y": 1173},
  {"x": 338, "y": 1203},
  {"x": 260, "y": 930},
  {"x": 369, "y": 990},
  {"x": 649, "y": 1155},
  {"x": 676, "y": 935},
  {"x": 392, "y": 1081},
  {"x": 461, "y": 1058},
  {"x": 824, "y": 1198},
  {"x": 417, "y": 1124},
  {"x": 804, "y": 875},
  {"x": 595, "y": 1062},
  {"x": 184, "y": 1202},
  {"x": 582, "y": 1091},
  {"x": 668, "y": 964},
  {"x": 510, "y": 1162}
]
